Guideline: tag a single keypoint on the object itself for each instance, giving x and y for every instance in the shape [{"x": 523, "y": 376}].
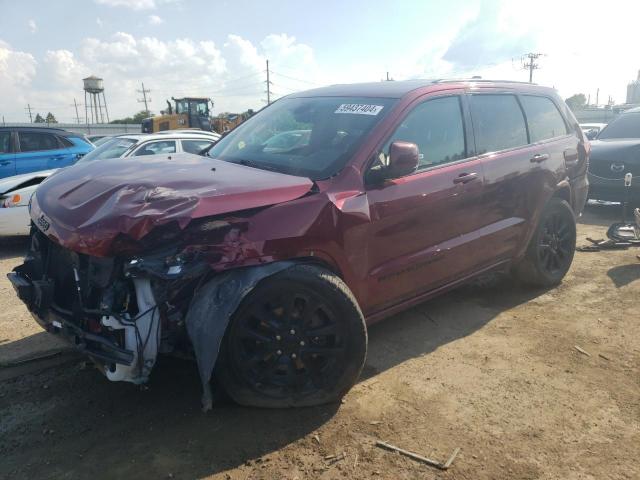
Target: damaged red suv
[{"x": 327, "y": 211}]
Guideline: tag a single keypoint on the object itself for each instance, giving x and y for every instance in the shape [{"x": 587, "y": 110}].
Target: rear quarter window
[
  {"x": 543, "y": 118},
  {"x": 498, "y": 122}
]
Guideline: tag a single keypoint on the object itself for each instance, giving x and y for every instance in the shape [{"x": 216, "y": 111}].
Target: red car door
[
  {"x": 519, "y": 174},
  {"x": 422, "y": 224}
]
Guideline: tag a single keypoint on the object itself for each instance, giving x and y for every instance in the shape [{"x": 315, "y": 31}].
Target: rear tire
[
  {"x": 297, "y": 339},
  {"x": 551, "y": 248}
]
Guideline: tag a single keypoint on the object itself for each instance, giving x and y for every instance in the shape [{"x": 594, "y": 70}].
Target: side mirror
[
  {"x": 403, "y": 159},
  {"x": 591, "y": 134}
]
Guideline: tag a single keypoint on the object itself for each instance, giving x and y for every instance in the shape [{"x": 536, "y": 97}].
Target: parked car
[
  {"x": 137, "y": 144},
  {"x": 267, "y": 266},
  {"x": 15, "y": 194},
  {"x": 591, "y": 130},
  {"x": 30, "y": 149},
  {"x": 98, "y": 140},
  {"x": 614, "y": 153}
]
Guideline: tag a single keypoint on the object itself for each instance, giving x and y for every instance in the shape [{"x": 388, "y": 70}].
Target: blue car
[{"x": 31, "y": 149}]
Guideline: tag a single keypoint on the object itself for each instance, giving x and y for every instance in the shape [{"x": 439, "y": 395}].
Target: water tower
[{"x": 93, "y": 107}]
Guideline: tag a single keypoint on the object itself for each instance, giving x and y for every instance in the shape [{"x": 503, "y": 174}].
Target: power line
[
  {"x": 295, "y": 79},
  {"x": 243, "y": 77},
  {"x": 144, "y": 98},
  {"x": 236, "y": 88},
  {"x": 532, "y": 65}
]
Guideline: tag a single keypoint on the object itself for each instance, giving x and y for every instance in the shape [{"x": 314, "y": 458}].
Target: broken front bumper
[{"x": 124, "y": 345}]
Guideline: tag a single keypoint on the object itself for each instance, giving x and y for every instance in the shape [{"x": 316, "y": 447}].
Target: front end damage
[
  {"x": 123, "y": 312},
  {"x": 106, "y": 307}
]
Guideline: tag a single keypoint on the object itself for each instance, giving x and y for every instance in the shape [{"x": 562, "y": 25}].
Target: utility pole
[
  {"x": 77, "y": 115},
  {"x": 268, "y": 82},
  {"x": 29, "y": 110},
  {"x": 144, "y": 98},
  {"x": 597, "y": 96},
  {"x": 532, "y": 65}
]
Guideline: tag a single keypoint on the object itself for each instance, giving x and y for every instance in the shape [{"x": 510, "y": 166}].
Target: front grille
[{"x": 603, "y": 169}]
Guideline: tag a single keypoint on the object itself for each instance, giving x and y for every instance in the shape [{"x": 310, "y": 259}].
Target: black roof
[
  {"x": 397, "y": 89},
  {"x": 58, "y": 131}
]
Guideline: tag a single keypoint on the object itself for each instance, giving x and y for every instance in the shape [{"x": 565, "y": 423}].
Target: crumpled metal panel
[
  {"x": 87, "y": 207},
  {"x": 211, "y": 310}
]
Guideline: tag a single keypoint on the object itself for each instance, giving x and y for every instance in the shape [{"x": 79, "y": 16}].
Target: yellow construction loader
[{"x": 188, "y": 112}]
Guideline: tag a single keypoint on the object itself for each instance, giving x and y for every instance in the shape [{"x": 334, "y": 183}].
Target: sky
[{"x": 218, "y": 49}]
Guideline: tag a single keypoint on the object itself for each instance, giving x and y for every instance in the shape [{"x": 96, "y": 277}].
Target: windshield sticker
[
  {"x": 241, "y": 144},
  {"x": 359, "y": 109}
]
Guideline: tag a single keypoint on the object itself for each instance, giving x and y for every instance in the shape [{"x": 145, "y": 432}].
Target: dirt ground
[{"x": 492, "y": 369}]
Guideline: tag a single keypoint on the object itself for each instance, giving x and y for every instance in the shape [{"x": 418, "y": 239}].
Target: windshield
[
  {"x": 311, "y": 137},
  {"x": 626, "y": 125},
  {"x": 113, "y": 148}
]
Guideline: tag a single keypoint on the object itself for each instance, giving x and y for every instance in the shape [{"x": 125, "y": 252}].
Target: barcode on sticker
[{"x": 359, "y": 109}]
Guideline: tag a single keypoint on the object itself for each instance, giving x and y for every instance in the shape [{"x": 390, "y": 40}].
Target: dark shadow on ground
[
  {"x": 40, "y": 343},
  {"x": 623, "y": 275},
  {"x": 13, "y": 246},
  {"x": 70, "y": 422}
]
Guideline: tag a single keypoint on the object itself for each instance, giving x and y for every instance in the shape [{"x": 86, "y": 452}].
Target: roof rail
[{"x": 479, "y": 80}]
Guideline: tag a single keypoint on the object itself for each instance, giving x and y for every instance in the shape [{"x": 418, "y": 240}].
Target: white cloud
[
  {"x": 17, "y": 71},
  {"x": 99, "y": 22},
  {"x": 33, "y": 27},
  {"x": 155, "y": 20},
  {"x": 232, "y": 75},
  {"x": 132, "y": 4},
  {"x": 135, "y": 4}
]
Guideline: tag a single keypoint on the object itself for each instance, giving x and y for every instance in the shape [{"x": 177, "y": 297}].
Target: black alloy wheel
[{"x": 297, "y": 339}]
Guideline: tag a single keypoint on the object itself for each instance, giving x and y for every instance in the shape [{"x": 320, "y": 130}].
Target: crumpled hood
[{"x": 86, "y": 207}]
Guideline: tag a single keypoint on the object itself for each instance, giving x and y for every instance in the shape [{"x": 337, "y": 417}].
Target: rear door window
[
  {"x": 36, "y": 141},
  {"x": 155, "y": 148},
  {"x": 195, "y": 146},
  {"x": 498, "y": 122},
  {"x": 436, "y": 127},
  {"x": 543, "y": 118}
]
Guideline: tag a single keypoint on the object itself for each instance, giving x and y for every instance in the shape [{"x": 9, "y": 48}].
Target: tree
[
  {"x": 51, "y": 118},
  {"x": 577, "y": 101},
  {"x": 39, "y": 119},
  {"x": 137, "y": 118}
]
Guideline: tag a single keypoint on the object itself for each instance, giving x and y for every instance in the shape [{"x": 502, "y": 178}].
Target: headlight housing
[{"x": 11, "y": 200}]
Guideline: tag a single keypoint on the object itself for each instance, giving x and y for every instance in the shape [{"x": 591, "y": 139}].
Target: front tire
[
  {"x": 551, "y": 248},
  {"x": 297, "y": 339}
]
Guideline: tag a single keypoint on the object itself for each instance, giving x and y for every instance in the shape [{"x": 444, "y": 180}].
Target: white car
[
  {"x": 135, "y": 144},
  {"x": 15, "y": 193}
]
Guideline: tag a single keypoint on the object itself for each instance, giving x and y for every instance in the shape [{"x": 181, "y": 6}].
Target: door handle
[
  {"x": 5, "y": 162},
  {"x": 465, "y": 178},
  {"x": 570, "y": 157},
  {"x": 539, "y": 157}
]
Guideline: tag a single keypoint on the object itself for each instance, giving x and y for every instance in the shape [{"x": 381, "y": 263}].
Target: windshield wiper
[{"x": 262, "y": 166}]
